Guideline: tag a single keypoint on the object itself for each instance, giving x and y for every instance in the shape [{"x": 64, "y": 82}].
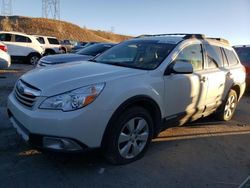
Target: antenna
[
  {"x": 6, "y": 8},
  {"x": 51, "y": 9}
]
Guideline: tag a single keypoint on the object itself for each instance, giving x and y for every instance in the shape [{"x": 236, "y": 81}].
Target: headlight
[{"x": 73, "y": 100}]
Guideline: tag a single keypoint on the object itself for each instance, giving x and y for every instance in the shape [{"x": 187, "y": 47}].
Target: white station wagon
[{"x": 123, "y": 98}]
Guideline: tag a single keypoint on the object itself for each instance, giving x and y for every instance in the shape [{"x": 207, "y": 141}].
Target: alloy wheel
[
  {"x": 133, "y": 137},
  {"x": 230, "y": 106}
]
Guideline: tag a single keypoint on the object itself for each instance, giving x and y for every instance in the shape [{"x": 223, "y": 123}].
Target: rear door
[
  {"x": 22, "y": 45},
  {"x": 216, "y": 76}
]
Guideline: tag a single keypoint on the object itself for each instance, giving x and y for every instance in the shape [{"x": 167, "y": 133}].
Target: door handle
[{"x": 203, "y": 79}]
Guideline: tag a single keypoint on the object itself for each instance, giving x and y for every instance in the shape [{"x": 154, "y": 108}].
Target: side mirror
[{"x": 180, "y": 67}]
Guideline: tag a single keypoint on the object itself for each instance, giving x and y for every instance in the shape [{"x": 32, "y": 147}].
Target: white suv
[
  {"x": 123, "y": 98},
  {"x": 22, "y": 47},
  {"x": 51, "y": 45}
]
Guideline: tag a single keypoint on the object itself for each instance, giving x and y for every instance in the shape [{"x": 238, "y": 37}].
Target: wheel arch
[
  {"x": 50, "y": 50},
  {"x": 143, "y": 101},
  {"x": 236, "y": 88},
  {"x": 34, "y": 53},
  {"x": 64, "y": 48}
]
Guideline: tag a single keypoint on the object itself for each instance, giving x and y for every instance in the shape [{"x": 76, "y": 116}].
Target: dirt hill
[{"x": 59, "y": 29}]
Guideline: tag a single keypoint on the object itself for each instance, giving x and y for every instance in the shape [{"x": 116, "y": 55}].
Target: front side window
[
  {"x": 5, "y": 37},
  {"x": 53, "y": 41},
  {"x": 214, "y": 56},
  {"x": 20, "y": 38},
  {"x": 141, "y": 54},
  {"x": 232, "y": 60},
  {"x": 193, "y": 55}
]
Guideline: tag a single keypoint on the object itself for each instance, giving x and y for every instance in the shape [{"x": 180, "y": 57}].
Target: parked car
[
  {"x": 22, "y": 46},
  {"x": 67, "y": 45},
  {"x": 244, "y": 55},
  {"x": 5, "y": 60},
  {"x": 132, "y": 92},
  {"x": 51, "y": 45},
  {"x": 82, "y": 55},
  {"x": 80, "y": 47}
]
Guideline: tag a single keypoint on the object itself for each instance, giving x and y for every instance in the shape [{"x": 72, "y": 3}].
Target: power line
[
  {"x": 6, "y": 8},
  {"x": 51, "y": 9}
]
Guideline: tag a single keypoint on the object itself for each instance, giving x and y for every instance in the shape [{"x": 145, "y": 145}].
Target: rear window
[
  {"x": 244, "y": 55},
  {"x": 5, "y": 37},
  {"x": 20, "y": 38},
  {"x": 94, "y": 50},
  {"x": 214, "y": 56},
  {"x": 232, "y": 59},
  {"x": 53, "y": 41}
]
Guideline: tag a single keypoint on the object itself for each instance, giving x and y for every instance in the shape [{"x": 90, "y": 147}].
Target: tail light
[{"x": 4, "y": 48}]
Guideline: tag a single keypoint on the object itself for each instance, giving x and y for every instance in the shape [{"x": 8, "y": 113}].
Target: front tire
[
  {"x": 227, "y": 109},
  {"x": 129, "y": 136}
]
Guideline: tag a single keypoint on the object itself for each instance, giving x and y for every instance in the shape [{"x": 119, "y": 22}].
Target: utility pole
[
  {"x": 6, "y": 8},
  {"x": 51, "y": 9}
]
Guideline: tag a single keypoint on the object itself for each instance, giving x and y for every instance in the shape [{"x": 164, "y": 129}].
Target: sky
[{"x": 228, "y": 19}]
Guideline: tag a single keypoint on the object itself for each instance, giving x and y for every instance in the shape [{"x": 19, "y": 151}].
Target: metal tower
[
  {"x": 6, "y": 8},
  {"x": 51, "y": 9}
]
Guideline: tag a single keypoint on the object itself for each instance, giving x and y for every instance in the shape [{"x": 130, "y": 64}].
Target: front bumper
[{"x": 85, "y": 127}]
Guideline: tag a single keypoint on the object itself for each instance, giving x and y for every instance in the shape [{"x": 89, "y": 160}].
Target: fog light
[{"x": 61, "y": 144}]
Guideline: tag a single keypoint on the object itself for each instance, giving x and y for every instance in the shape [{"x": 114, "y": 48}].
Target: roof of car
[
  {"x": 178, "y": 37},
  {"x": 166, "y": 39},
  {"x": 105, "y": 43},
  {"x": 44, "y": 36},
  {"x": 15, "y": 33}
]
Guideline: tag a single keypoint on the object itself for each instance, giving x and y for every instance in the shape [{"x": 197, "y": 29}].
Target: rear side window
[
  {"x": 41, "y": 40},
  {"x": 53, "y": 41},
  {"x": 214, "y": 56},
  {"x": 232, "y": 60},
  {"x": 5, "y": 37},
  {"x": 192, "y": 54},
  {"x": 224, "y": 58},
  {"x": 20, "y": 38}
]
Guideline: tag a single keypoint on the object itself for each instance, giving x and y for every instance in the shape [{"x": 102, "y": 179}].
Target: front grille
[{"x": 25, "y": 94}]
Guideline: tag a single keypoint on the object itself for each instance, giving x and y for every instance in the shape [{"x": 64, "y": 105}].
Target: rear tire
[
  {"x": 129, "y": 136},
  {"x": 226, "y": 111},
  {"x": 33, "y": 59}
]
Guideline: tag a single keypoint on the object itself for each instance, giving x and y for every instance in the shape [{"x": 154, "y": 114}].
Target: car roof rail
[
  {"x": 185, "y": 35},
  {"x": 220, "y": 39}
]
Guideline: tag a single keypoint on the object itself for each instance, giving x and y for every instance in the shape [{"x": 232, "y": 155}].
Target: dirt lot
[{"x": 206, "y": 153}]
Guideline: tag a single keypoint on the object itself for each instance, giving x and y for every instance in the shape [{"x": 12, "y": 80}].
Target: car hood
[
  {"x": 63, "y": 58},
  {"x": 66, "y": 77}
]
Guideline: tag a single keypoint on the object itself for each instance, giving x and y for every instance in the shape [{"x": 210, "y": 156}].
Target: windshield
[
  {"x": 244, "y": 55},
  {"x": 141, "y": 54},
  {"x": 94, "y": 49}
]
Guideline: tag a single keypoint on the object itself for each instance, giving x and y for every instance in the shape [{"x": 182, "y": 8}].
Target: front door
[{"x": 185, "y": 94}]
